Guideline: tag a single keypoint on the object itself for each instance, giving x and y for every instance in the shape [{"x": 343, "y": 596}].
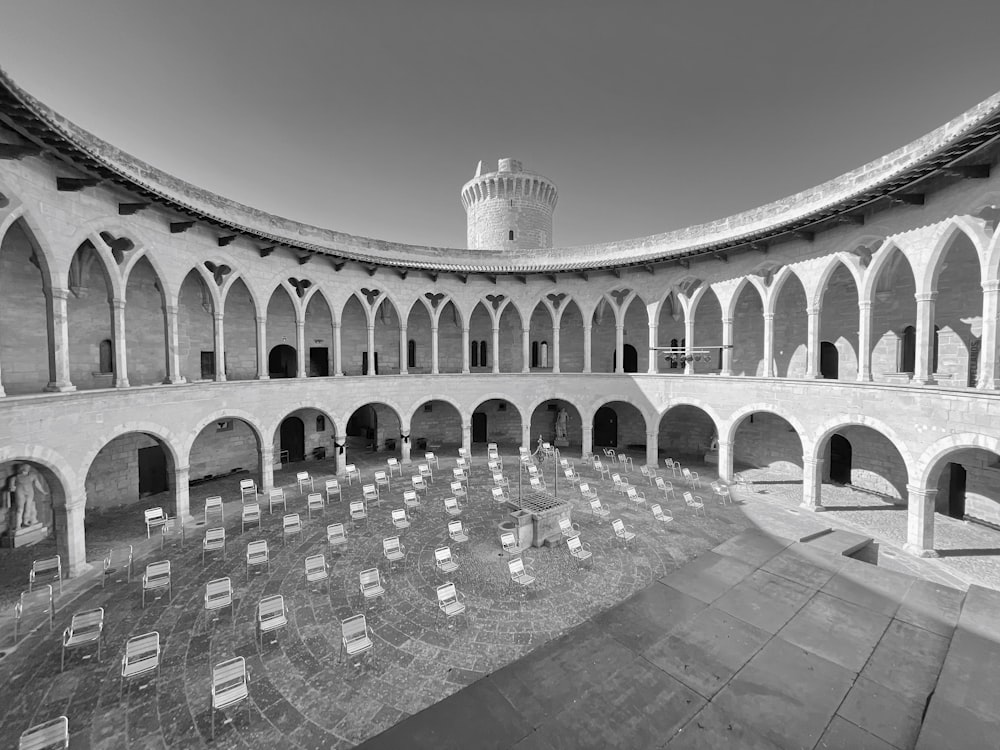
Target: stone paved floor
[{"x": 301, "y": 695}]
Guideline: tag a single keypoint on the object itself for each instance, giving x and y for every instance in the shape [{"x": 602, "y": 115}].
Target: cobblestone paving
[{"x": 302, "y": 695}]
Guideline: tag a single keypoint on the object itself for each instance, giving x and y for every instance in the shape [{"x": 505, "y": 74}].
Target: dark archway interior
[{"x": 281, "y": 362}]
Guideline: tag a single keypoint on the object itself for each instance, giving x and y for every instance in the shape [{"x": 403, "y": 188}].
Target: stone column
[
  {"x": 338, "y": 357},
  {"x": 725, "y": 461},
  {"x": 465, "y": 349},
  {"x": 341, "y": 458},
  {"x": 555, "y": 349},
  {"x": 587, "y": 440},
  {"x": 121, "y": 358},
  {"x": 727, "y": 347},
  {"x": 864, "y": 341},
  {"x": 654, "y": 356},
  {"x": 768, "y": 345},
  {"x": 266, "y": 469},
  {"x": 586, "y": 347},
  {"x": 300, "y": 345},
  {"x": 496, "y": 349},
  {"x": 652, "y": 447},
  {"x": 988, "y": 352},
  {"x": 923, "y": 367},
  {"x": 812, "y": 343},
  {"x": 71, "y": 541},
  {"x": 58, "y": 322},
  {"x": 404, "y": 445},
  {"x": 220, "y": 348},
  {"x": 526, "y": 434},
  {"x": 920, "y": 521},
  {"x": 467, "y": 437},
  {"x": 182, "y": 500},
  {"x": 619, "y": 348},
  {"x": 404, "y": 349},
  {"x": 434, "y": 350},
  {"x": 812, "y": 482},
  {"x": 688, "y": 344},
  {"x": 371, "y": 350},
  {"x": 172, "y": 335},
  {"x": 525, "y": 350},
  {"x": 262, "y": 364}
]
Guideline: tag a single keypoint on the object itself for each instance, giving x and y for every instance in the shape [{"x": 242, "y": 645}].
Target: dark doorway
[
  {"x": 281, "y": 362},
  {"x": 956, "y": 490},
  {"x": 319, "y": 361},
  {"x": 364, "y": 424},
  {"x": 208, "y": 365},
  {"x": 908, "y": 350},
  {"x": 606, "y": 428},
  {"x": 829, "y": 360},
  {"x": 973, "y": 363},
  {"x": 364, "y": 363},
  {"x": 840, "y": 459},
  {"x": 293, "y": 438},
  {"x": 479, "y": 427},
  {"x": 630, "y": 359},
  {"x": 152, "y": 470}
]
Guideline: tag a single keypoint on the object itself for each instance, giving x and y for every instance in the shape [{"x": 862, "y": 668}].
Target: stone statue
[
  {"x": 561, "y": 420},
  {"x": 21, "y": 489},
  {"x": 714, "y": 445}
]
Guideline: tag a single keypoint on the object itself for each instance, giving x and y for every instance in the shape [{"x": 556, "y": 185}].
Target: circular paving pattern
[{"x": 302, "y": 694}]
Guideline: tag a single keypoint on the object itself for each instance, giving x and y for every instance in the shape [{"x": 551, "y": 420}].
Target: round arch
[
  {"x": 933, "y": 459},
  {"x": 436, "y": 420},
  {"x": 955, "y": 226},
  {"x": 252, "y": 422},
  {"x": 813, "y": 447},
  {"x": 546, "y": 421},
  {"x": 730, "y": 426}
]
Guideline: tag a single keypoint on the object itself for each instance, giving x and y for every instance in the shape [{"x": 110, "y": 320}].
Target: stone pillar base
[
  {"x": 24, "y": 536},
  {"x": 60, "y": 388},
  {"x": 813, "y": 508},
  {"x": 919, "y": 551}
]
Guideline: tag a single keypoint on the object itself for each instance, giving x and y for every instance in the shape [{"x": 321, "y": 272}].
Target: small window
[
  {"x": 106, "y": 357},
  {"x": 510, "y": 234},
  {"x": 502, "y": 406},
  {"x": 474, "y": 352},
  {"x": 320, "y": 423},
  {"x": 534, "y": 354},
  {"x": 207, "y": 365},
  {"x": 483, "y": 360},
  {"x": 411, "y": 353},
  {"x": 428, "y": 407}
]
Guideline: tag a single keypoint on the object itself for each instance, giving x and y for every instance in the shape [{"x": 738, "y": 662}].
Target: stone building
[{"x": 153, "y": 333}]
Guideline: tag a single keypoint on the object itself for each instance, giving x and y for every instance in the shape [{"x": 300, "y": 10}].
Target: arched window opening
[
  {"x": 483, "y": 360},
  {"x": 411, "y": 353},
  {"x": 908, "y": 350},
  {"x": 543, "y": 354},
  {"x": 510, "y": 235},
  {"x": 106, "y": 357},
  {"x": 474, "y": 353},
  {"x": 934, "y": 356},
  {"x": 534, "y": 354}
]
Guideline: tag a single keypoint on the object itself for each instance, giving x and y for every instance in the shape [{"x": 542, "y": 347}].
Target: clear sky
[{"x": 367, "y": 117}]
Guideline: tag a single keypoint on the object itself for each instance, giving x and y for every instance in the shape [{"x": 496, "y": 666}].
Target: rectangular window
[{"x": 207, "y": 365}]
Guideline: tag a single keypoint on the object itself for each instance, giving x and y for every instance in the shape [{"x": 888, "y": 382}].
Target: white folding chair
[
  {"x": 622, "y": 532},
  {"x": 722, "y": 492},
  {"x": 156, "y": 577},
  {"x": 393, "y": 551},
  {"x": 370, "y": 585},
  {"x": 692, "y": 477},
  {"x": 258, "y": 554},
  {"x": 567, "y": 528},
  {"x": 621, "y": 485},
  {"x": 352, "y": 473},
  {"x": 459, "y": 491},
  {"x": 611, "y": 455},
  {"x": 358, "y": 512},
  {"x": 626, "y": 462},
  {"x": 291, "y": 524},
  {"x": 230, "y": 686},
  {"x": 218, "y": 595},
  {"x": 314, "y": 501},
  {"x": 451, "y": 506},
  {"x": 663, "y": 516},
  {"x": 457, "y": 532},
  {"x": 430, "y": 458},
  {"x": 425, "y": 471},
  {"x": 303, "y": 478},
  {"x": 274, "y": 497},
  {"x": 443, "y": 560},
  {"x": 356, "y": 639},
  {"x": 248, "y": 490},
  {"x": 695, "y": 503},
  {"x": 410, "y": 500},
  {"x": 635, "y": 497},
  {"x": 271, "y": 616},
  {"x": 317, "y": 569},
  {"x": 155, "y": 517},
  {"x": 400, "y": 520},
  {"x": 50, "y": 567},
  {"x": 34, "y": 602},
  {"x": 586, "y": 492},
  {"x": 142, "y": 656},
  {"x": 599, "y": 510},
  {"x": 601, "y": 469},
  {"x": 382, "y": 480},
  {"x": 418, "y": 483},
  {"x": 500, "y": 498},
  {"x": 333, "y": 488},
  {"x": 509, "y": 543},
  {"x": 571, "y": 476},
  {"x": 449, "y": 601},
  {"x": 519, "y": 575},
  {"x": 85, "y": 629},
  {"x": 117, "y": 560},
  {"x": 213, "y": 506},
  {"x": 667, "y": 488},
  {"x": 251, "y": 514},
  {"x": 578, "y": 550},
  {"x": 393, "y": 465},
  {"x": 336, "y": 535},
  {"x": 215, "y": 540},
  {"x": 48, "y": 735},
  {"x": 459, "y": 474},
  {"x": 499, "y": 480}
]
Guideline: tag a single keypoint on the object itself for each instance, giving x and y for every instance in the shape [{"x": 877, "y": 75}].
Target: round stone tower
[{"x": 509, "y": 209}]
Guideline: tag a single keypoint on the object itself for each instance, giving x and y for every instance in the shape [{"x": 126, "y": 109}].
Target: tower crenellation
[{"x": 509, "y": 209}]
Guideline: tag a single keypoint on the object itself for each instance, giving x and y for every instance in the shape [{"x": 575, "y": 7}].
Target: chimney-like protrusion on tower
[{"x": 509, "y": 209}]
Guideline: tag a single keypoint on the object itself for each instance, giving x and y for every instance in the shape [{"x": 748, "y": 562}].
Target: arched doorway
[
  {"x": 908, "y": 350},
  {"x": 957, "y": 479},
  {"x": 606, "y": 427},
  {"x": 479, "y": 428},
  {"x": 293, "y": 439},
  {"x": 558, "y": 422},
  {"x": 497, "y": 420},
  {"x": 630, "y": 359},
  {"x": 829, "y": 360},
  {"x": 374, "y": 427},
  {"x": 840, "y": 459},
  {"x": 363, "y": 426},
  {"x": 435, "y": 424},
  {"x": 281, "y": 362}
]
